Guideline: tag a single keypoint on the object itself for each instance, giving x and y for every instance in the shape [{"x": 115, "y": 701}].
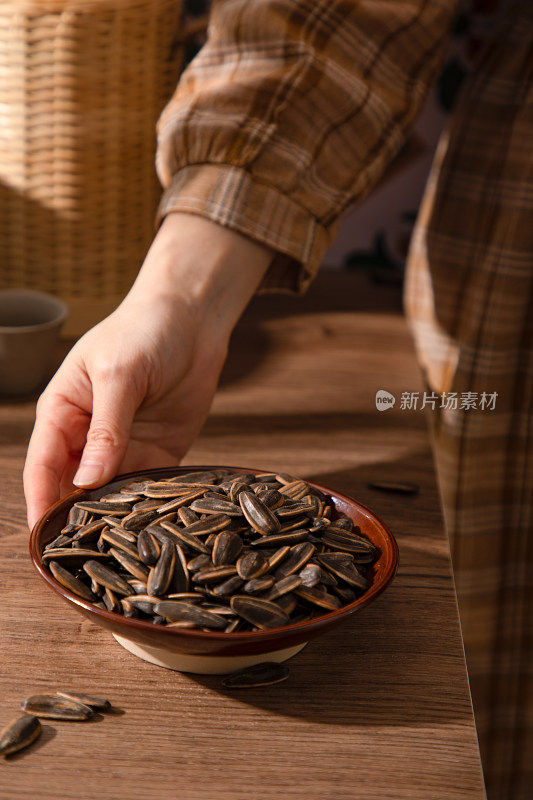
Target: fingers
[
  {"x": 108, "y": 435},
  {"x": 59, "y": 431}
]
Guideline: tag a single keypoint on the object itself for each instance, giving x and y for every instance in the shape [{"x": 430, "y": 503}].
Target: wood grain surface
[{"x": 378, "y": 708}]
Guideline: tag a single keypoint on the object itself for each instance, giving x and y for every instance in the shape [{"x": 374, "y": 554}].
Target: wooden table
[{"x": 376, "y": 709}]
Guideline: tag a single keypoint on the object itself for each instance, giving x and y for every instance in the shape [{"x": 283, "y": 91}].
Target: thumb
[{"x": 108, "y": 434}]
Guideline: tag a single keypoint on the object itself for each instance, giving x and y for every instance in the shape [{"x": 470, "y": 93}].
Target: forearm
[{"x": 210, "y": 271}]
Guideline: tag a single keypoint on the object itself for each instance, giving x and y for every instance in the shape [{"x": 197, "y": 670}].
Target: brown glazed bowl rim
[{"x": 383, "y": 570}]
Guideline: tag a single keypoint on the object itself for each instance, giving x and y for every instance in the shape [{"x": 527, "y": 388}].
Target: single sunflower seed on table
[
  {"x": 19, "y": 733},
  {"x": 265, "y": 674},
  {"x": 50, "y": 706},
  {"x": 98, "y": 703}
]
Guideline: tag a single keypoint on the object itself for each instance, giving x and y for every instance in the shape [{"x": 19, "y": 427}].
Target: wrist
[{"x": 204, "y": 267}]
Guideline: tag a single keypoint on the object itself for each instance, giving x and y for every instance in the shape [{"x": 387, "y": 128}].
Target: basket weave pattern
[{"x": 82, "y": 84}]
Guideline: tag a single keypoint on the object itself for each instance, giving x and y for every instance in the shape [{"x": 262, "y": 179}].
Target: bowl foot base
[{"x": 203, "y": 665}]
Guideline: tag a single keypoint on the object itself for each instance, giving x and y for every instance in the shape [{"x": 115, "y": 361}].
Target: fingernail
[{"x": 89, "y": 472}]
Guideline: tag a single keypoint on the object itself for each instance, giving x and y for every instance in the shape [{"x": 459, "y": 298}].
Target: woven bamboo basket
[{"x": 82, "y": 84}]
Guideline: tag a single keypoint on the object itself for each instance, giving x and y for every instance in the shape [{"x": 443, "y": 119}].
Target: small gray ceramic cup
[{"x": 30, "y": 323}]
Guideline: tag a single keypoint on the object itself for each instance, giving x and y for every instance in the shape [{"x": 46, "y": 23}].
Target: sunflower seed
[
  {"x": 284, "y": 586},
  {"x": 297, "y": 558},
  {"x": 180, "y": 579},
  {"x": 264, "y": 674},
  {"x": 49, "y": 706},
  {"x": 69, "y": 581},
  {"x": 148, "y": 548},
  {"x": 114, "y": 538},
  {"x": 199, "y": 562},
  {"x": 394, "y": 486},
  {"x": 161, "y": 574},
  {"x": 226, "y": 548},
  {"x": 164, "y": 490},
  {"x": 143, "y": 602},
  {"x": 252, "y": 565},
  {"x": 184, "y": 537},
  {"x": 215, "y": 574},
  {"x": 60, "y": 541},
  {"x": 228, "y": 587},
  {"x": 258, "y": 514},
  {"x": 138, "y": 520},
  {"x": 89, "y": 532},
  {"x": 101, "y": 507},
  {"x": 216, "y": 505},
  {"x": 184, "y": 500},
  {"x": 105, "y": 576},
  {"x": 187, "y": 515},
  {"x": 261, "y": 613},
  {"x": 212, "y": 524},
  {"x": 185, "y": 612},
  {"x": 319, "y": 597},
  {"x": 291, "y": 537},
  {"x": 67, "y": 555},
  {"x": 98, "y": 703},
  {"x": 271, "y": 498},
  {"x": 20, "y": 733},
  {"x": 311, "y": 575},
  {"x": 342, "y": 566},
  {"x": 77, "y": 516},
  {"x": 295, "y": 489},
  {"x": 258, "y": 585},
  {"x": 130, "y": 564}
]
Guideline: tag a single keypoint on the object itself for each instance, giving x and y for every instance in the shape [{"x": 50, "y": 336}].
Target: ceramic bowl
[{"x": 205, "y": 652}]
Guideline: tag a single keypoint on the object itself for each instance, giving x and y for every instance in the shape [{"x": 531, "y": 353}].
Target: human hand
[{"x": 134, "y": 392}]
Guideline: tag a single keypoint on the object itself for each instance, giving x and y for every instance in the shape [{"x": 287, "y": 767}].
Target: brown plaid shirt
[{"x": 291, "y": 112}]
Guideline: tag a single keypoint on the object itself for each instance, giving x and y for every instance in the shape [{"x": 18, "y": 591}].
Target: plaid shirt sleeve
[{"x": 290, "y": 113}]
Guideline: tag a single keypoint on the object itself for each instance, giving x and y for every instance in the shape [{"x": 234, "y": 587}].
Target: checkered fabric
[
  {"x": 285, "y": 119},
  {"x": 469, "y": 295}
]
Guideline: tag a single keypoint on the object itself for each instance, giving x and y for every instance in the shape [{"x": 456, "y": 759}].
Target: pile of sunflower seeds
[{"x": 213, "y": 550}]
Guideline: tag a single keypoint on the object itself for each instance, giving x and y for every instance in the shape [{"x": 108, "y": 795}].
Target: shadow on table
[{"x": 333, "y": 290}]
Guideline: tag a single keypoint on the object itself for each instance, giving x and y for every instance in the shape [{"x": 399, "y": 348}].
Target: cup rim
[{"x": 61, "y": 308}]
